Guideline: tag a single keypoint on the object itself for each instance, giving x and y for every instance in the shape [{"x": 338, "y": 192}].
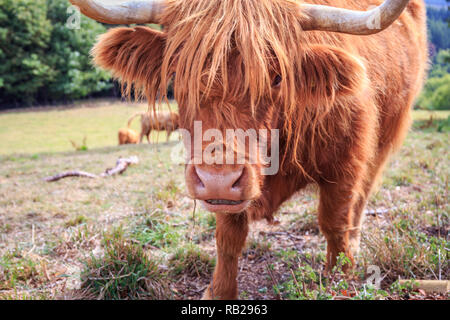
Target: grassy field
[
  {"x": 37, "y": 131},
  {"x": 139, "y": 236}
]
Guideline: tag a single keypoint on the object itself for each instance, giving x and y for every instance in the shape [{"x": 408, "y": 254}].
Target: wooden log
[
  {"x": 121, "y": 165},
  {"x": 69, "y": 174},
  {"x": 429, "y": 286}
]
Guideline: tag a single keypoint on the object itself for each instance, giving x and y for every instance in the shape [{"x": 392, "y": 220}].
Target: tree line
[
  {"x": 43, "y": 61},
  {"x": 436, "y": 92}
]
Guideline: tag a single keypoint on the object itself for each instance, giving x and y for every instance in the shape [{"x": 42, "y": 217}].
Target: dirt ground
[{"x": 56, "y": 238}]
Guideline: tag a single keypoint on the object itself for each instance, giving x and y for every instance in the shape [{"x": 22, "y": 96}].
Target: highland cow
[
  {"x": 128, "y": 136},
  {"x": 337, "y": 83},
  {"x": 159, "y": 121}
]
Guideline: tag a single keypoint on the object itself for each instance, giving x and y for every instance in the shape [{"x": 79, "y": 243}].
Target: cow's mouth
[
  {"x": 224, "y": 202},
  {"x": 225, "y": 205}
]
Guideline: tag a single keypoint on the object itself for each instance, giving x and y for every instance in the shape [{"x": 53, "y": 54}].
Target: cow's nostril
[
  {"x": 238, "y": 182},
  {"x": 197, "y": 179}
]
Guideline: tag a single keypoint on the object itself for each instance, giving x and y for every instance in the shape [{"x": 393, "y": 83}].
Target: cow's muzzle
[{"x": 222, "y": 188}]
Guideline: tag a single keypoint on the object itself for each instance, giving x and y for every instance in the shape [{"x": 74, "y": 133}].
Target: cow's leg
[
  {"x": 148, "y": 136},
  {"x": 335, "y": 220},
  {"x": 169, "y": 133},
  {"x": 231, "y": 232},
  {"x": 374, "y": 174},
  {"x": 389, "y": 142}
]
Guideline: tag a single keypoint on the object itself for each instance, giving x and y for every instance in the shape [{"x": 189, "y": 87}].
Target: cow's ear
[
  {"x": 329, "y": 72},
  {"x": 133, "y": 55}
]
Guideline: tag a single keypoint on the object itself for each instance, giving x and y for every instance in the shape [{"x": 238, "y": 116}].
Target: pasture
[{"x": 138, "y": 235}]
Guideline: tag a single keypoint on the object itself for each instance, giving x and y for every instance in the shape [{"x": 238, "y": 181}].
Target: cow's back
[{"x": 395, "y": 59}]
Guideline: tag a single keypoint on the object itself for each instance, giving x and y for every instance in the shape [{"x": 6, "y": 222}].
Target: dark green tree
[
  {"x": 436, "y": 93},
  {"x": 41, "y": 59},
  {"x": 74, "y": 76},
  {"x": 25, "y": 33}
]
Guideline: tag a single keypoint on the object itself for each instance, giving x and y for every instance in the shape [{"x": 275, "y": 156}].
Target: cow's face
[
  {"x": 231, "y": 144},
  {"x": 223, "y": 172}
]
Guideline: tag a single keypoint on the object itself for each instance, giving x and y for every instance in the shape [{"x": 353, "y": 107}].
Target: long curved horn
[
  {"x": 121, "y": 12},
  {"x": 326, "y": 18}
]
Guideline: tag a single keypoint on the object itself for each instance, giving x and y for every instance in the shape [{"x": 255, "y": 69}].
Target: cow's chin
[{"x": 225, "y": 206}]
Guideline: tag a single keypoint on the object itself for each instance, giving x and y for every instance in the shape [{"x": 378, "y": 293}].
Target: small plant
[
  {"x": 257, "y": 249},
  {"x": 15, "y": 270},
  {"x": 402, "y": 251},
  {"x": 401, "y": 180},
  {"x": 306, "y": 282},
  {"x": 82, "y": 147},
  {"x": 305, "y": 223},
  {"x": 5, "y": 228},
  {"x": 155, "y": 232},
  {"x": 342, "y": 263},
  {"x": 244, "y": 295},
  {"x": 80, "y": 219},
  {"x": 401, "y": 289},
  {"x": 288, "y": 256},
  {"x": 125, "y": 272},
  {"x": 208, "y": 221},
  {"x": 369, "y": 292},
  {"x": 169, "y": 192},
  {"x": 191, "y": 260}
]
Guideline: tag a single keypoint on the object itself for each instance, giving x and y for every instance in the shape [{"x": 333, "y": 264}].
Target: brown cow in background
[
  {"x": 128, "y": 136},
  {"x": 338, "y": 87},
  {"x": 160, "y": 121}
]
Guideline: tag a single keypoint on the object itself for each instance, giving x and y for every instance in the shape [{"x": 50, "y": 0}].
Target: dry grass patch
[
  {"x": 69, "y": 225},
  {"x": 402, "y": 251},
  {"x": 192, "y": 261},
  {"x": 124, "y": 272},
  {"x": 15, "y": 270}
]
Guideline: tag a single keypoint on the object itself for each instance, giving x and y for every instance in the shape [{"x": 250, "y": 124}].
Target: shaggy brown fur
[
  {"x": 343, "y": 104},
  {"x": 128, "y": 136},
  {"x": 160, "y": 121}
]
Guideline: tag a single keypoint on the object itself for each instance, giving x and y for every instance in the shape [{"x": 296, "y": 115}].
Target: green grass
[
  {"x": 159, "y": 235},
  {"x": 124, "y": 272},
  {"x": 76, "y": 221},
  {"x": 37, "y": 131},
  {"x": 17, "y": 270},
  {"x": 34, "y": 131},
  {"x": 403, "y": 251},
  {"x": 419, "y": 115},
  {"x": 191, "y": 260},
  {"x": 99, "y": 238}
]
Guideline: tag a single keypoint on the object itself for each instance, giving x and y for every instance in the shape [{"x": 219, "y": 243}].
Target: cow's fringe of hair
[
  {"x": 264, "y": 37},
  {"x": 134, "y": 55},
  {"x": 204, "y": 34}
]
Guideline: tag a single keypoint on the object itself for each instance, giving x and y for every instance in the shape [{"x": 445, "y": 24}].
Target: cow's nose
[{"x": 216, "y": 182}]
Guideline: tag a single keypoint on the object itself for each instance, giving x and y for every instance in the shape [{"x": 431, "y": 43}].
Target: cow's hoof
[
  {"x": 354, "y": 245},
  {"x": 207, "y": 295}
]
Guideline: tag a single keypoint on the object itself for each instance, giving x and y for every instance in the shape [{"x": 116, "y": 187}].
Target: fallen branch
[
  {"x": 121, "y": 165},
  {"x": 378, "y": 212},
  {"x": 71, "y": 174}
]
